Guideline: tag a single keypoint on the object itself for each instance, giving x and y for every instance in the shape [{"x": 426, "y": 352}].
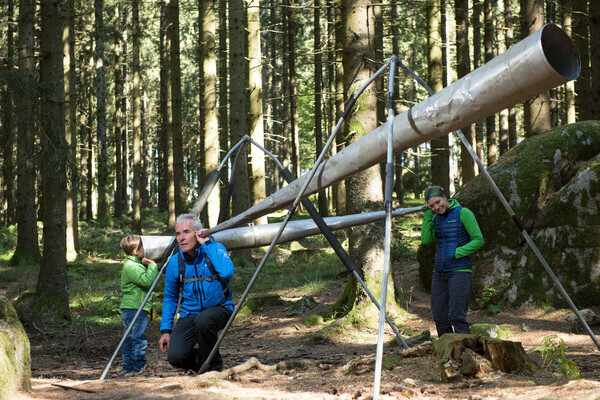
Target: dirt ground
[{"x": 343, "y": 366}]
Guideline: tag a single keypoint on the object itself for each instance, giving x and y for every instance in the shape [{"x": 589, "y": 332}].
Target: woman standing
[{"x": 458, "y": 236}]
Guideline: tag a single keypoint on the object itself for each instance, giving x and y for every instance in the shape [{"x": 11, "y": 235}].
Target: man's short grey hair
[{"x": 197, "y": 223}]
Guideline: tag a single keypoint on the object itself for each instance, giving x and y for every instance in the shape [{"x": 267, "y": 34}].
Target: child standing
[{"x": 136, "y": 278}]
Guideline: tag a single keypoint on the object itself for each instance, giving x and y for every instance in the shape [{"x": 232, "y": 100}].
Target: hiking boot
[
  {"x": 128, "y": 374},
  {"x": 141, "y": 371}
]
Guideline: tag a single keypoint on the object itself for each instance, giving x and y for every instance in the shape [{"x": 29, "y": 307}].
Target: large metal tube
[
  {"x": 262, "y": 235},
  {"x": 542, "y": 61}
]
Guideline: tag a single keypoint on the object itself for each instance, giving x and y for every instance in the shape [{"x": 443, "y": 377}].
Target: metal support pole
[
  {"x": 515, "y": 219},
  {"x": 389, "y": 183},
  {"x": 170, "y": 249}
]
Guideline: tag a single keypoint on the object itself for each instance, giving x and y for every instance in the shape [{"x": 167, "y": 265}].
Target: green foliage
[
  {"x": 486, "y": 300},
  {"x": 553, "y": 352},
  {"x": 8, "y": 238}
]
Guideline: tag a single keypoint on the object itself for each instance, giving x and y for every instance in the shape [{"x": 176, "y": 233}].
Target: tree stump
[
  {"x": 15, "y": 360},
  {"x": 466, "y": 356}
]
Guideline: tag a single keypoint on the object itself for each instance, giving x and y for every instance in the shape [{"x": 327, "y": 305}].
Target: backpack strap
[{"x": 211, "y": 268}]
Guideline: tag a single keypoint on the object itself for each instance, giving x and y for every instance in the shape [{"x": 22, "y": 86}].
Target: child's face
[{"x": 139, "y": 252}]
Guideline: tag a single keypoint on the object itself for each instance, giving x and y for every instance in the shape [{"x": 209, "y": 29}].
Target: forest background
[{"x": 112, "y": 107}]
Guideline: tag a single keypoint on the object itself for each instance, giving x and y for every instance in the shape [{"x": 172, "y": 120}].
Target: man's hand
[
  {"x": 163, "y": 342},
  {"x": 202, "y": 236}
]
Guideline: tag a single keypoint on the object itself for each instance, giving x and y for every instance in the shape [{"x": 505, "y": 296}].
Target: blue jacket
[{"x": 198, "y": 295}]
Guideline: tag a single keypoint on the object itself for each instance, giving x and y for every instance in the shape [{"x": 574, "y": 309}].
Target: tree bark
[
  {"x": 103, "y": 205},
  {"x": 364, "y": 190},
  {"x": 595, "y": 59},
  {"x": 512, "y": 111},
  {"x": 27, "y": 250},
  {"x": 580, "y": 35},
  {"x": 476, "y": 64},
  {"x": 52, "y": 290},
  {"x": 7, "y": 135},
  {"x": 175, "y": 122},
  {"x": 570, "y": 112},
  {"x": 339, "y": 189},
  {"x": 255, "y": 107},
  {"x": 463, "y": 63},
  {"x": 136, "y": 149},
  {"x": 488, "y": 44},
  {"x": 537, "y": 116},
  {"x": 223, "y": 97},
  {"x": 318, "y": 65},
  {"x": 293, "y": 97},
  {"x": 164, "y": 173},
  {"x": 118, "y": 122},
  {"x": 238, "y": 102},
  {"x": 440, "y": 167},
  {"x": 210, "y": 130}
]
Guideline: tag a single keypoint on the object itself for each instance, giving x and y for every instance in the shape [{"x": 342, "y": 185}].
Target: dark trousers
[
  {"x": 450, "y": 292},
  {"x": 201, "y": 330}
]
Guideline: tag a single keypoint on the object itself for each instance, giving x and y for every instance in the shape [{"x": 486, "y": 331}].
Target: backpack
[{"x": 211, "y": 268}]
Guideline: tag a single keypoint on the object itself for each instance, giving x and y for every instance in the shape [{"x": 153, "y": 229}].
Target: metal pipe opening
[{"x": 560, "y": 51}]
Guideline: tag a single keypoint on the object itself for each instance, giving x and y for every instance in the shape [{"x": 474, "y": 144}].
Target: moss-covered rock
[
  {"x": 551, "y": 183},
  {"x": 15, "y": 361}
]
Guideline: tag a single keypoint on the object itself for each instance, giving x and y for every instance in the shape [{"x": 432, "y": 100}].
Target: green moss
[
  {"x": 15, "y": 359},
  {"x": 492, "y": 330},
  {"x": 389, "y": 362},
  {"x": 313, "y": 320}
]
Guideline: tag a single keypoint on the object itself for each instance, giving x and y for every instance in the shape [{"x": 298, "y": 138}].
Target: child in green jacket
[{"x": 136, "y": 278}]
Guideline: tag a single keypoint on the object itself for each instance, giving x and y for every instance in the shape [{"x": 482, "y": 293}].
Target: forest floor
[{"x": 343, "y": 364}]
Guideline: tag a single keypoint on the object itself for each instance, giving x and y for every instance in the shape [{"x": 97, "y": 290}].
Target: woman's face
[{"x": 438, "y": 204}]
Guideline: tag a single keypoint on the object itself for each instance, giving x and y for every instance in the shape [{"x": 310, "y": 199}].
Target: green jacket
[{"x": 136, "y": 279}]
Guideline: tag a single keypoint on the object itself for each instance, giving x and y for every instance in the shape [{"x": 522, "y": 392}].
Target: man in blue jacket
[{"x": 201, "y": 269}]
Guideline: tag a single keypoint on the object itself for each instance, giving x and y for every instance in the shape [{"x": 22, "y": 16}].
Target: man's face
[
  {"x": 438, "y": 204},
  {"x": 186, "y": 236}
]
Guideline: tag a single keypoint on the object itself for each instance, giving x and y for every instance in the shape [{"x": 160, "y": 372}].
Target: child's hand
[{"x": 147, "y": 261}]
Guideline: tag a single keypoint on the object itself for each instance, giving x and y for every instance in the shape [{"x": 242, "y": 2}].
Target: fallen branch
[
  {"x": 211, "y": 378},
  {"x": 73, "y": 388}
]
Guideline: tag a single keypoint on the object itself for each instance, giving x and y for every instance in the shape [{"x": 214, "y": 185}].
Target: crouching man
[{"x": 197, "y": 276}]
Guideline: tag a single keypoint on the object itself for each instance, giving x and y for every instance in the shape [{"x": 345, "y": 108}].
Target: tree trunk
[
  {"x": 476, "y": 64},
  {"x": 440, "y": 167},
  {"x": 210, "y": 130},
  {"x": 71, "y": 127},
  {"x": 136, "y": 149},
  {"x": 317, "y": 47},
  {"x": 27, "y": 250},
  {"x": 502, "y": 46},
  {"x": 595, "y": 59},
  {"x": 363, "y": 189},
  {"x": 103, "y": 205},
  {"x": 537, "y": 118},
  {"x": 580, "y": 36},
  {"x": 163, "y": 141},
  {"x": 255, "y": 107},
  {"x": 488, "y": 44},
  {"x": 238, "y": 102},
  {"x": 175, "y": 127},
  {"x": 7, "y": 135},
  {"x": 463, "y": 63},
  {"x": 223, "y": 97},
  {"x": 339, "y": 189},
  {"x": 52, "y": 291},
  {"x": 512, "y": 111},
  {"x": 293, "y": 99},
  {"x": 118, "y": 122},
  {"x": 570, "y": 113}
]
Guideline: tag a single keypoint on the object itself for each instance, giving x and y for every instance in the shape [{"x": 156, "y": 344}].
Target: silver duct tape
[{"x": 542, "y": 61}]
